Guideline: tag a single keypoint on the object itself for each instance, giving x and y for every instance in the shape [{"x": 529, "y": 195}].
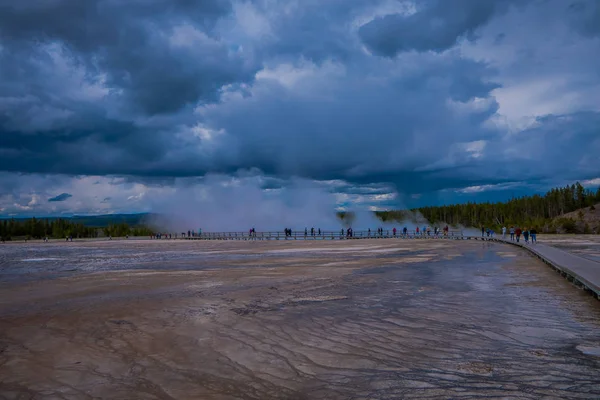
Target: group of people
[
  {"x": 166, "y": 235},
  {"x": 487, "y": 231},
  {"x": 313, "y": 232},
  {"x": 515, "y": 234},
  {"x": 426, "y": 231}
]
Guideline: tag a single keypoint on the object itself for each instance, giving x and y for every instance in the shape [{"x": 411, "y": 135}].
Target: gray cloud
[{"x": 60, "y": 197}]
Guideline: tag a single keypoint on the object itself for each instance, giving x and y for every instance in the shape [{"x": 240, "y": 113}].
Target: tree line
[
  {"x": 542, "y": 212},
  {"x": 546, "y": 213},
  {"x": 35, "y": 228}
]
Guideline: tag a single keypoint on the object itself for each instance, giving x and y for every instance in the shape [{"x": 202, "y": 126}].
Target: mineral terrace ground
[{"x": 370, "y": 319}]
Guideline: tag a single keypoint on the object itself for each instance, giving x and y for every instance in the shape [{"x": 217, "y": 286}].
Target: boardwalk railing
[{"x": 323, "y": 235}]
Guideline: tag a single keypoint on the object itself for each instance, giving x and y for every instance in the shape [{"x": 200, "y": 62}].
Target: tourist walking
[
  {"x": 503, "y": 232},
  {"x": 526, "y": 235},
  {"x": 512, "y": 233},
  {"x": 533, "y": 234},
  {"x": 394, "y": 230},
  {"x": 518, "y": 232},
  {"x": 482, "y": 231}
]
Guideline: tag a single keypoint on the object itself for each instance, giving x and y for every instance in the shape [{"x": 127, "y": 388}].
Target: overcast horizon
[{"x": 131, "y": 107}]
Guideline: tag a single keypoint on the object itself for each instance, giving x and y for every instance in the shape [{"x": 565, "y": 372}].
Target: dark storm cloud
[
  {"x": 60, "y": 197},
  {"x": 436, "y": 25}
]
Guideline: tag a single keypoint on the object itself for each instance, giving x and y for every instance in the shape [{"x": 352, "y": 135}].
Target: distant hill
[{"x": 584, "y": 220}]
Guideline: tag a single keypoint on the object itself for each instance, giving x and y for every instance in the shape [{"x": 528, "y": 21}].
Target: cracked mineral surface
[{"x": 367, "y": 319}]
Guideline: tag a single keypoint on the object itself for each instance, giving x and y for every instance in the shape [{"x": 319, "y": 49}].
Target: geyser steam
[{"x": 222, "y": 204}]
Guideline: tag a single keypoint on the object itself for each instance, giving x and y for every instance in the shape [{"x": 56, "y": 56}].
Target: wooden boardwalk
[{"x": 581, "y": 271}]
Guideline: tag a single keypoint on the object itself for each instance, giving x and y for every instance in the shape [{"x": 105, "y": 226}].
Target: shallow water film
[{"x": 369, "y": 319}]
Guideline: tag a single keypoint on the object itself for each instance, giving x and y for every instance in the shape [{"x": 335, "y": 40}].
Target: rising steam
[{"x": 223, "y": 205}]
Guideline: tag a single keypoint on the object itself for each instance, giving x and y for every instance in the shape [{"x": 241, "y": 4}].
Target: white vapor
[{"x": 224, "y": 205}]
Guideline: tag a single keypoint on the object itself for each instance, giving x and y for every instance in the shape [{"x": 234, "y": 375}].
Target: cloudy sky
[{"x": 124, "y": 106}]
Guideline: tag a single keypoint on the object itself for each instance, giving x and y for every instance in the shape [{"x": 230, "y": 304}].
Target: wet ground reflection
[{"x": 219, "y": 320}]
